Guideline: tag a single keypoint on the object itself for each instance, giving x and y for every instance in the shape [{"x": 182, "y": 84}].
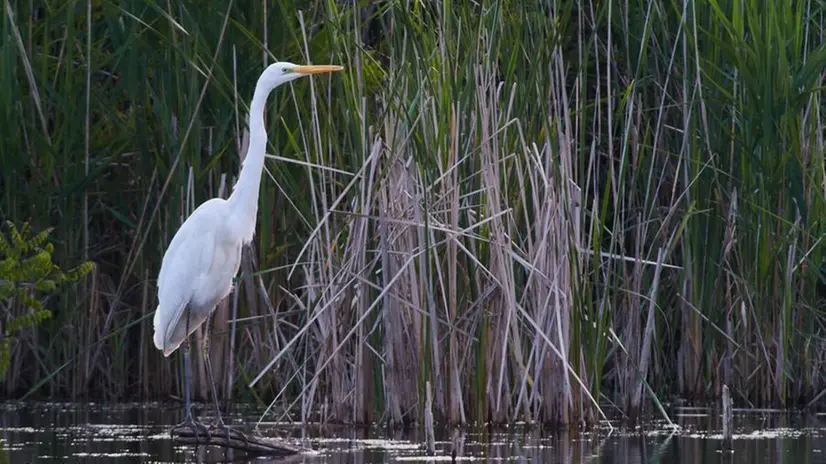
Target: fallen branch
[{"x": 237, "y": 440}]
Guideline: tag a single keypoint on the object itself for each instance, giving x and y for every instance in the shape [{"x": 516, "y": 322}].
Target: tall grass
[{"x": 549, "y": 211}]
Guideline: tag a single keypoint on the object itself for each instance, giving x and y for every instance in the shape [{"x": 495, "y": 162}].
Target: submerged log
[{"x": 234, "y": 439}]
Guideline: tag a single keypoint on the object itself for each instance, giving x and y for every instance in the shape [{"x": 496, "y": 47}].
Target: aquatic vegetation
[
  {"x": 550, "y": 211},
  {"x": 27, "y": 274}
]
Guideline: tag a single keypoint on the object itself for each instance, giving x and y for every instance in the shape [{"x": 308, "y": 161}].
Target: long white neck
[{"x": 243, "y": 201}]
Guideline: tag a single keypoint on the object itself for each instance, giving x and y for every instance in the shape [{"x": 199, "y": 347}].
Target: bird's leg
[
  {"x": 196, "y": 427},
  {"x": 219, "y": 421},
  {"x": 205, "y": 349}
]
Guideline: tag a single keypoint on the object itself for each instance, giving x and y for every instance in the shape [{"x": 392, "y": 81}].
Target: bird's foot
[
  {"x": 197, "y": 429},
  {"x": 219, "y": 429}
]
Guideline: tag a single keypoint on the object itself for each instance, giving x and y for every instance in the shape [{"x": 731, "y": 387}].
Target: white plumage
[
  {"x": 205, "y": 253},
  {"x": 197, "y": 270}
]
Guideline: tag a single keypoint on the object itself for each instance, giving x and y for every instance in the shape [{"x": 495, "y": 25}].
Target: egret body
[{"x": 204, "y": 255}]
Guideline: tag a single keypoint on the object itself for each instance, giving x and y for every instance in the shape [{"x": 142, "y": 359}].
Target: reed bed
[{"x": 545, "y": 211}]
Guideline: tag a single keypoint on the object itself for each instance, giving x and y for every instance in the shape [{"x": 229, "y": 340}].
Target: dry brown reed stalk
[
  {"x": 505, "y": 333},
  {"x": 456, "y": 409},
  {"x": 356, "y": 264},
  {"x": 430, "y": 436},
  {"x": 645, "y": 346},
  {"x": 728, "y": 259},
  {"x": 548, "y": 292},
  {"x": 556, "y": 249},
  {"x": 402, "y": 313}
]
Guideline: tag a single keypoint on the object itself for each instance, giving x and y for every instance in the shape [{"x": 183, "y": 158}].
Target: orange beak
[{"x": 317, "y": 69}]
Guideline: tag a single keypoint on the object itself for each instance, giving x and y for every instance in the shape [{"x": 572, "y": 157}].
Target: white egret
[{"x": 203, "y": 258}]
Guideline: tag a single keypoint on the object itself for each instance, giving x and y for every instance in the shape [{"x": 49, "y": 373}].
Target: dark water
[{"x": 123, "y": 433}]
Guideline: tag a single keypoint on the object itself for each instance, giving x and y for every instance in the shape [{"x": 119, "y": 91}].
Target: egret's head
[{"x": 282, "y": 72}]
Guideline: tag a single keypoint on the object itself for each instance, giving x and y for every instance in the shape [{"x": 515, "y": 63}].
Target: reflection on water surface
[{"x": 139, "y": 432}]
